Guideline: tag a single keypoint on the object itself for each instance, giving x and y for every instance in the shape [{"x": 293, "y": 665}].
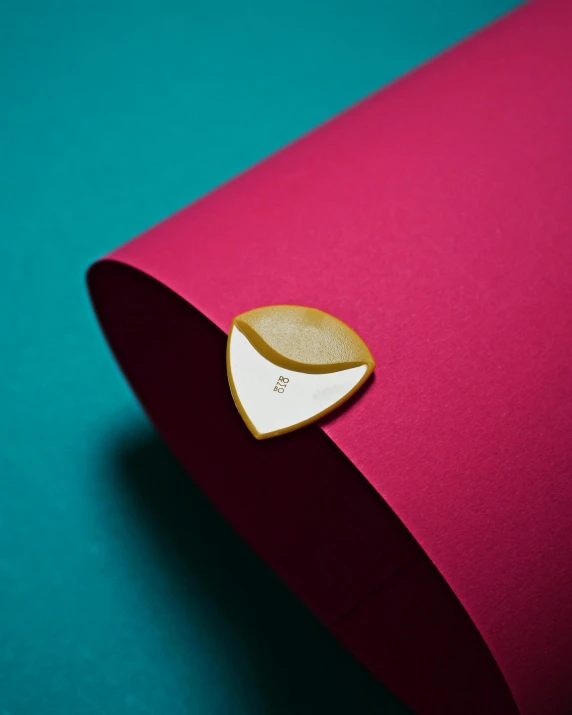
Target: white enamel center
[{"x": 275, "y": 398}]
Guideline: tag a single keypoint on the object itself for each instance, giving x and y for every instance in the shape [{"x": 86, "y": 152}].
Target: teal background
[{"x": 121, "y": 590}]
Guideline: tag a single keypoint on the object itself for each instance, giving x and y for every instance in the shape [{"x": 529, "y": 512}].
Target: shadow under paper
[{"x": 281, "y": 655}]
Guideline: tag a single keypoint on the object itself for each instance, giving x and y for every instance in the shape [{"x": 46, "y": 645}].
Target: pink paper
[{"x": 435, "y": 218}]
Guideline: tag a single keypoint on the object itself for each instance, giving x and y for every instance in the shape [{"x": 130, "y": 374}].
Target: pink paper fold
[{"x": 435, "y": 218}]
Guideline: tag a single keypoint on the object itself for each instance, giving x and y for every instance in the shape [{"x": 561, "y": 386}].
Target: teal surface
[{"x": 121, "y": 590}]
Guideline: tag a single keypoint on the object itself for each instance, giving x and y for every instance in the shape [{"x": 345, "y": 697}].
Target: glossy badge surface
[{"x": 289, "y": 365}]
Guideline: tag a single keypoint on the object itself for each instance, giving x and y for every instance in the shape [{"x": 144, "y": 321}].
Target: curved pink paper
[{"x": 435, "y": 218}]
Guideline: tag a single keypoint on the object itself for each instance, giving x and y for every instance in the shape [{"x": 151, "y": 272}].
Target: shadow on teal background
[{"x": 121, "y": 590}]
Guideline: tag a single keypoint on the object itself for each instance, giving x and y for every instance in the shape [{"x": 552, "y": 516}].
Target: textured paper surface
[{"x": 435, "y": 219}]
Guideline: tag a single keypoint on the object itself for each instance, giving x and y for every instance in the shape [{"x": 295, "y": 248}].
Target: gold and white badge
[{"x": 289, "y": 365}]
